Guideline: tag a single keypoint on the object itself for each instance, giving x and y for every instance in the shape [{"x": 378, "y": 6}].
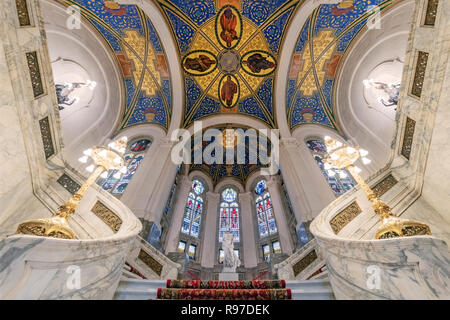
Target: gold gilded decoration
[
  {"x": 68, "y": 183},
  {"x": 199, "y": 63},
  {"x": 384, "y": 185},
  {"x": 138, "y": 43},
  {"x": 341, "y": 156},
  {"x": 104, "y": 158},
  {"x": 107, "y": 216},
  {"x": 35, "y": 73},
  {"x": 208, "y": 30},
  {"x": 228, "y": 27},
  {"x": 345, "y": 217},
  {"x": 200, "y": 43},
  {"x": 408, "y": 136},
  {"x": 229, "y": 91},
  {"x": 306, "y": 75},
  {"x": 303, "y": 263},
  {"x": 150, "y": 262},
  {"x": 22, "y": 13},
  {"x": 55, "y": 227},
  {"x": 47, "y": 140},
  {"x": 430, "y": 14},
  {"x": 258, "y": 63},
  {"x": 419, "y": 74}
]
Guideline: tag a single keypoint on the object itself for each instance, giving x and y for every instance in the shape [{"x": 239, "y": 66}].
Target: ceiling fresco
[
  {"x": 229, "y": 52},
  {"x": 255, "y": 155},
  {"x": 133, "y": 40},
  {"x": 323, "y": 41}
]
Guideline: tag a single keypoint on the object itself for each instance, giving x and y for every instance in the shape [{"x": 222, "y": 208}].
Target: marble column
[
  {"x": 307, "y": 188},
  {"x": 273, "y": 184},
  {"x": 150, "y": 187},
  {"x": 209, "y": 253},
  {"x": 248, "y": 230},
  {"x": 177, "y": 216}
]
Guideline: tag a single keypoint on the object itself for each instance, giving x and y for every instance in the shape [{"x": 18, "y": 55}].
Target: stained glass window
[
  {"x": 260, "y": 187},
  {"x": 229, "y": 214},
  {"x": 170, "y": 199},
  {"x": 193, "y": 212},
  {"x": 264, "y": 213},
  {"x": 276, "y": 247},
  {"x": 302, "y": 235},
  {"x": 266, "y": 252},
  {"x": 181, "y": 246},
  {"x": 229, "y": 195},
  {"x": 198, "y": 187},
  {"x": 341, "y": 180},
  {"x": 133, "y": 158},
  {"x": 192, "y": 250}
]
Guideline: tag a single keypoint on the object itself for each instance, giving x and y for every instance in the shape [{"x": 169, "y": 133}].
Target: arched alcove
[
  {"x": 80, "y": 56},
  {"x": 378, "y": 55}
]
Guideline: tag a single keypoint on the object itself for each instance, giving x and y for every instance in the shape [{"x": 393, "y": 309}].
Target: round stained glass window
[
  {"x": 260, "y": 187},
  {"x": 198, "y": 187},
  {"x": 229, "y": 195},
  {"x": 140, "y": 145},
  {"x": 316, "y": 146}
]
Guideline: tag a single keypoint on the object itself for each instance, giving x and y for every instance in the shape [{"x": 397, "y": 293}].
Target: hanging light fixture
[
  {"x": 342, "y": 157},
  {"x": 105, "y": 159}
]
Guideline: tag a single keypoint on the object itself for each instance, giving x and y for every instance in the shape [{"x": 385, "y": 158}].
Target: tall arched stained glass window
[
  {"x": 134, "y": 156},
  {"x": 341, "y": 180},
  {"x": 229, "y": 214},
  {"x": 194, "y": 208},
  {"x": 264, "y": 211}
]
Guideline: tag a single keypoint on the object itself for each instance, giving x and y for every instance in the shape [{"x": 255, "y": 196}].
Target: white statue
[{"x": 230, "y": 261}]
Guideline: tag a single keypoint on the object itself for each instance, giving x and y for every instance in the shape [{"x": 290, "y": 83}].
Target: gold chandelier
[
  {"x": 341, "y": 156},
  {"x": 105, "y": 159}
]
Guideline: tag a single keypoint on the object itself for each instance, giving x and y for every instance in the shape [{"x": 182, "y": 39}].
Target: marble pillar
[
  {"x": 307, "y": 188},
  {"x": 248, "y": 230},
  {"x": 150, "y": 186},
  {"x": 178, "y": 212},
  {"x": 273, "y": 184},
  {"x": 210, "y": 235}
]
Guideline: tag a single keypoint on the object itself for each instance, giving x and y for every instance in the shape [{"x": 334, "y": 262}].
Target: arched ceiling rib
[{"x": 134, "y": 42}]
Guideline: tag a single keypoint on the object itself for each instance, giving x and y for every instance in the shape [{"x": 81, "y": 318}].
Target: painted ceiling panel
[
  {"x": 323, "y": 41},
  {"x": 229, "y": 53},
  {"x": 135, "y": 44},
  {"x": 239, "y": 172}
]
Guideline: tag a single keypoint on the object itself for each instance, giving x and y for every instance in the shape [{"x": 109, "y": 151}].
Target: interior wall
[
  {"x": 436, "y": 187},
  {"x": 363, "y": 120},
  {"x": 89, "y": 121}
]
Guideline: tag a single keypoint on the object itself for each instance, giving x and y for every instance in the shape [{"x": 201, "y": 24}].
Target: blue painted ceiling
[
  {"x": 256, "y": 37},
  {"x": 323, "y": 41},
  {"x": 132, "y": 39}
]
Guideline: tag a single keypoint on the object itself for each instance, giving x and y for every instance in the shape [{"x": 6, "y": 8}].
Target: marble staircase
[{"x": 135, "y": 289}]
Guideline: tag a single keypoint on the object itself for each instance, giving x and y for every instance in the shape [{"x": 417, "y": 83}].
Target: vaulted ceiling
[
  {"x": 134, "y": 42},
  {"x": 229, "y": 51},
  {"x": 253, "y": 155},
  {"x": 322, "y": 44}
]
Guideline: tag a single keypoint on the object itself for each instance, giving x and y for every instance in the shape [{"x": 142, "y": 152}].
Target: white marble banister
[
  {"x": 285, "y": 269},
  {"x": 360, "y": 267},
  {"x": 401, "y": 268},
  {"x": 32, "y": 267},
  {"x": 168, "y": 268}
]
